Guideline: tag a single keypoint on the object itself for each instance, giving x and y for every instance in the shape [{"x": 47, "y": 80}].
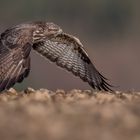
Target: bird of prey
[{"x": 50, "y": 41}]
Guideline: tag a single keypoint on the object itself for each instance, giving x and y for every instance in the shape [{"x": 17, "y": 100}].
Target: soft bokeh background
[{"x": 109, "y": 30}]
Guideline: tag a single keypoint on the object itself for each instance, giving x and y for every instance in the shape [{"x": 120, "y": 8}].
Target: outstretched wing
[
  {"x": 68, "y": 53},
  {"x": 14, "y": 58}
]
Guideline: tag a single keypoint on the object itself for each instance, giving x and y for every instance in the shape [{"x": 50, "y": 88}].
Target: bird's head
[
  {"x": 45, "y": 30},
  {"x": 52, "y": 29}
]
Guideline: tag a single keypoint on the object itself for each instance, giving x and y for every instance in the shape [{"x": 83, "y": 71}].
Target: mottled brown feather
[
  {"x": 48, "y": 40},
  {"x": 68, "y": 52}
]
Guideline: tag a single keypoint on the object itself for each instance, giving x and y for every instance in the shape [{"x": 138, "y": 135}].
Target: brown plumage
[{"x": 51, "y": 42}]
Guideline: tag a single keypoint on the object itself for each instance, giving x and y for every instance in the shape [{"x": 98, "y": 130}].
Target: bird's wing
[
  {"x": 14, "y": 58},
  {"x": 67, "y": 51}
]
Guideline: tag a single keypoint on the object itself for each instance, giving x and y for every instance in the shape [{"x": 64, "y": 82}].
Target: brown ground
[{"x": 75, "y": 115}]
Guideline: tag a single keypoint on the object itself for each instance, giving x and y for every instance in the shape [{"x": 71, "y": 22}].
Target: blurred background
[{"x": 109, "y": 30}]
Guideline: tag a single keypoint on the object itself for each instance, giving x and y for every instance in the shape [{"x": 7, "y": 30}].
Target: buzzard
[{"x": 50, "y": 41}]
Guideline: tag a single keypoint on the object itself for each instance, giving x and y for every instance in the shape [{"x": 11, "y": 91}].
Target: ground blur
[{"x": 78, "y": 115}]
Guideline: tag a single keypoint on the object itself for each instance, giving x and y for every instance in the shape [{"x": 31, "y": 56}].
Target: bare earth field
[{"x": 74, "y": 115}]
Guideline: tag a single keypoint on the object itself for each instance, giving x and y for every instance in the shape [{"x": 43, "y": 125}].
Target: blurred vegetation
[{"x": 100, "y": 18}]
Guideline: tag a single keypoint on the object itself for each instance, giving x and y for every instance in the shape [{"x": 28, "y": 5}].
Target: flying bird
[{"x": 49, "y": 40}]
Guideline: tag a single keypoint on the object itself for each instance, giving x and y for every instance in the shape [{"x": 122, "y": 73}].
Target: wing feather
[
  {"x": 68, "y": 52},
  {"x": 14, "y": 58}
]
